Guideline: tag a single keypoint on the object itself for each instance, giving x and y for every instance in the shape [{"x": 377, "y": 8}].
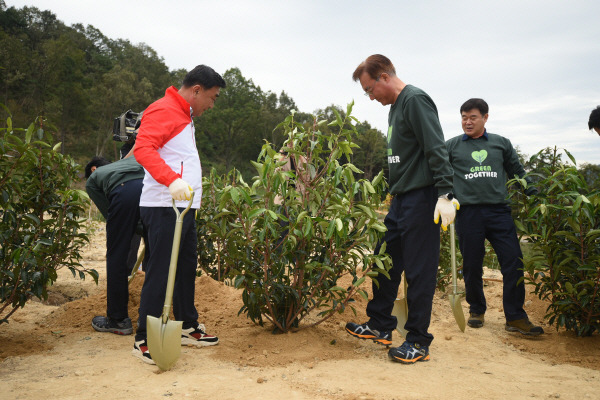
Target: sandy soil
[{"x": 49, "y": 350}]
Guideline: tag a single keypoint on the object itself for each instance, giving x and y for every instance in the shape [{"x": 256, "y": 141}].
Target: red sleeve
[{"x": 157, "y": 128}]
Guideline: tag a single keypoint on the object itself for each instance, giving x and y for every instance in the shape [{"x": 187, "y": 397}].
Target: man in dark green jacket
[
  {"x": 115, "y": 188},
  {"x": 482, "y": 163},
  {"x": 421, "y": 182}
]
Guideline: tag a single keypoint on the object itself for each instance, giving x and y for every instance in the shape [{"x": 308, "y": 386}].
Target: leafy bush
[
  {"x": 291, "y": 235},
  {"x": 562, "y": 224},
  {"x": 39, "y": 216},
  {"x": 217, "y": 247}
]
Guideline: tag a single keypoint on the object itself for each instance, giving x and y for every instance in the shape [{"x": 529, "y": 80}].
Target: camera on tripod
[{"x": 126, "y": 125}]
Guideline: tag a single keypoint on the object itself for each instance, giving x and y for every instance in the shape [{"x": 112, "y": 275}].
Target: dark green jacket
[
  {"x": 481, "y": 168},
  {"x": 417, "y": 156},
  {"x": 104, "y": 179}
]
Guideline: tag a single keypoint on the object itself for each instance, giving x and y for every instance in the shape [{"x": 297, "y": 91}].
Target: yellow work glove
[
  {"x": 180, "y": 190},
  {"x": 447, "y": 210}
]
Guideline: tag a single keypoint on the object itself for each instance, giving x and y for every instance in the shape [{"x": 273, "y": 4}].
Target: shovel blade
[
  {"x": 400, "y": 311},
  {"x": 164, "y": 341},
  {"x": 457, "y": 310}
]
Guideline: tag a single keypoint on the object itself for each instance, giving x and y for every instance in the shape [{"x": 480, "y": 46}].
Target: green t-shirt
[
  {"x": 481, "y": 168},
  {"x": 104, "y": 179},
  {"x": 417, "y": 156}
]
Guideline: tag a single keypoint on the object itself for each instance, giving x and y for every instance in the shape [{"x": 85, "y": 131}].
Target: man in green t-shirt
[
  {"x": 482, "y": 163},
  {"x": 421, "y": 182},
  {"x": 115, "y": 188}
]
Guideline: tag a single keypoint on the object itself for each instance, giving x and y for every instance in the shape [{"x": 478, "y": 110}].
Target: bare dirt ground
[{"x": 49, "y": 350}]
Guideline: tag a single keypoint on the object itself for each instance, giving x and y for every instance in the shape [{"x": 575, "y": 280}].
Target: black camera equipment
[{"x": 126, "y": 125}]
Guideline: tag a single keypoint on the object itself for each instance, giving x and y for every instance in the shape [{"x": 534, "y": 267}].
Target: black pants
[
  {"x": 123, "y": 216},
  {"x": 134, "y": 247},
  {"x": 413, "y": 242},
  {"x": 159, "y": 226},
  {"x": 474, "y": 224}
]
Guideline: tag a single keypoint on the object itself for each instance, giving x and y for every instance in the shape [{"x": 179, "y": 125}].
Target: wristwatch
[{"x": 447, "y": 196}]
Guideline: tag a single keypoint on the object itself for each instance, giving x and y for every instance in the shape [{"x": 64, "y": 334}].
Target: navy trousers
[
  {"x": 474, "y": 224},
  {"x": 123, "y": 216},
  {"x": 413, "y": 242},
  {"x": 134, "y": 247},
  {"x": 159, "y": 227}
]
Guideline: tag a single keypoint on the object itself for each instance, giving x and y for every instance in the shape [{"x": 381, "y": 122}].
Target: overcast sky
[{"x": 536, "y": 63}]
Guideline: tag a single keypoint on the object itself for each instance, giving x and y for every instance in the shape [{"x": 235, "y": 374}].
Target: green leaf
[
  {"x": 359, "y": 282},
  {"x": 339, "y": 224},
  {"x": 272, "y": 214},
  {"x": 235, "y": 196},
  {"x": 29, "y": 133},
  {"x": 331, "y": 229}
]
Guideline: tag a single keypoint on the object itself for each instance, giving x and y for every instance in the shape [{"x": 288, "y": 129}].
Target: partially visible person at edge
[
  {"x": 420, "y": 180},
  {"x": 125, "y": 152},
  {"x": 594, "y": 121},
  {"x": 482, "y": 163},
  {"x": 166, "y": 148},
  {"x": 115, "y": 188}
]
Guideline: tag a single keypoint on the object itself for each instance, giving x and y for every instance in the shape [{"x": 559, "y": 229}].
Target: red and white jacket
[{"x": 166, "y": 147}]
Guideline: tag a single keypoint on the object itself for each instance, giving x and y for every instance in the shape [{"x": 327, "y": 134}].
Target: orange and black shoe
[
  {"x": 364, "y": 332},
  {"x": 409, "y": 353}
]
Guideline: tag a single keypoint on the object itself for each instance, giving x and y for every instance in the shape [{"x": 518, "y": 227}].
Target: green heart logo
[{"x": 479, "y": 156}]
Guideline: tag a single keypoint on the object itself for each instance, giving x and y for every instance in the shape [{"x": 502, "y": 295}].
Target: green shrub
[
  {"x": 562, "y": 224},
  {"x": 217, "y": 244},
  {"x": 40, "y": 216},
  {"x": 288, "y": 255}
]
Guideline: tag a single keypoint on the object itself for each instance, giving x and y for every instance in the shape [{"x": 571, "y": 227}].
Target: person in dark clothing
[
  {"x": 482, "y": 163},
  {"x": 594, "y": 121},
  {"x": 421, "y": 182},
  {"x": 115, "y": 188}
]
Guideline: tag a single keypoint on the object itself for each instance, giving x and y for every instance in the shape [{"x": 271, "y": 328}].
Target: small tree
[
  {"x": 563, "y": 225},
  {"x": 217, "y": 248},
  {"x": 296, "y": 233},
  {"x": 40, "y": 216}
]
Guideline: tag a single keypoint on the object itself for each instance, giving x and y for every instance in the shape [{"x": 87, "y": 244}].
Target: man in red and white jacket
[{"x": 166, "y": 148}]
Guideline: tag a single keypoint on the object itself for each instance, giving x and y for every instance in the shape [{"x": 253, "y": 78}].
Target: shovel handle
[
  {"x": 137, "y": 264},
  {"x": 453, "y": 258},
  {"x": 174, "y": 258}
]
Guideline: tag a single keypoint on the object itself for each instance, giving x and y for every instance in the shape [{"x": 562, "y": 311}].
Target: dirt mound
[{"x": 241, "y": 341}]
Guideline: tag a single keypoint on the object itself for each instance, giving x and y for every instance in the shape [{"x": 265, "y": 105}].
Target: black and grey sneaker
[
  {"x": 140, "y": 350},
  {"x": 197, "y": 337},
  {"x": 409, "y": 353},
  {"x": 106, "y": 324},
  {"x": 364, "y": 332}
]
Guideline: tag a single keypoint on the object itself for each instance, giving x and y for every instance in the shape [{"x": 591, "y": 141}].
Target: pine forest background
[{"x": 79, "y": 80}]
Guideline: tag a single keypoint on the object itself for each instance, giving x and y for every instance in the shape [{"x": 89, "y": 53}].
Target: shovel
[
  {"x": 455, "y": 303},
  {"x": 400, "y": 310},
  {"x": 164, "y": 336},
  {"x": 137, "y": 265}
]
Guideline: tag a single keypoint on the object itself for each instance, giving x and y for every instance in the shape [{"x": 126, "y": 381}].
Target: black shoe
[
  {"x": 140, "y": 350},
  {"x": 197, "y": 337},
  {"x": 105, "y": 324},
  {"x": 364, "y": 332},
  {"x": 409, "y": 353},
  {"x": 523, "y": 326},
  {"x": 475, "y": 320}
]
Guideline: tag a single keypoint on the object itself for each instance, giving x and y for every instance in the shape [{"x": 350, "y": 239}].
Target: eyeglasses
[{"x": 369, "y": 90}]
